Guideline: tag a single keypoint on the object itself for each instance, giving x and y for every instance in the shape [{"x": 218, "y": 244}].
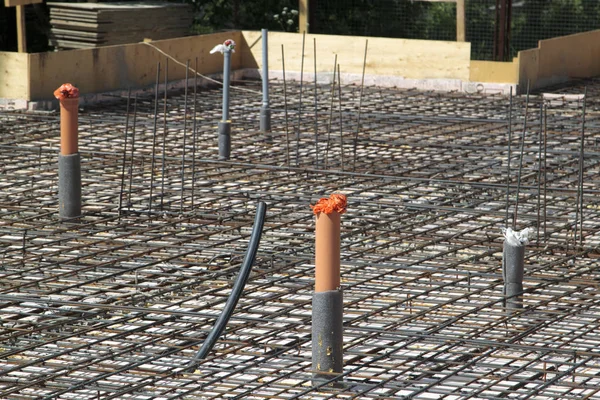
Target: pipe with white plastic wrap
[{"x": 513, "y": 260}]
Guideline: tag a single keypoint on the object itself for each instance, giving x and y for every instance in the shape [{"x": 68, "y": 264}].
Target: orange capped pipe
[
  {"x": 327, "y": 241},
  {"x": 69, "y": 161},
  {"x": 68, "y": 95},
  {"x": 327, "y": 303}
]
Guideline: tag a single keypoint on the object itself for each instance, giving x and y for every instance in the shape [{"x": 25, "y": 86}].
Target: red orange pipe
[
  {"x": 68, "y": 95},
  {"x": 327, "y": 242}
]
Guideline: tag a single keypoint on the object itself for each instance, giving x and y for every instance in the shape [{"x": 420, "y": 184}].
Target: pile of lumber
[{"x": 86, "y": 25}]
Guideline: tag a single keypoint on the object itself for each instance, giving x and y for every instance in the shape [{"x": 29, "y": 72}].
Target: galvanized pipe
[
  {"x": 224, "y": 125},
  {"x": 265, "y": 110}
]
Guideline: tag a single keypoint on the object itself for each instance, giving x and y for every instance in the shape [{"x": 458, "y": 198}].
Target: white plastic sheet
[{"x": 515, "y": 238}]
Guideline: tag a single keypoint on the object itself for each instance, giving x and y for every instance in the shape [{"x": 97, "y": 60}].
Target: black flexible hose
[{"x": 236, "y": 292}]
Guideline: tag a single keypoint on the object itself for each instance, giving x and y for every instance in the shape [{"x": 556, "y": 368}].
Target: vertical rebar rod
[
  {"x": 316, "y": 105},
  {"x": 360, "y": 100},
  {"x": 185, "y": 107},
  {"x": 154, "y": 137},
  {"x": 300, "y": 102},
  {"x": 194, "y": 132},
  {"x": 521, "y": 158},
  {"x": 265, "y": 68},
  {"x": 341, "y": 117},
  {"x": 132, "y": 150},
  {"x": 581, "y": 166},
  {"x": 285, "y": 108},
  {"x": 510, "y": 104},
  {"x": 539, "y": 175},
  {"x": 124, "y": 152},
  {"x": 545, "y": 173},
  {"x": 330, "y": 111},
  {"x": 164, "y": 143}
]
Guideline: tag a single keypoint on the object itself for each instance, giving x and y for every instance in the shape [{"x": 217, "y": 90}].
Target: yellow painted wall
[
  {"x": 118, "y": 67},
  {"x": 560, "y": 59},
  {"x": 36, "y": 76},
  {"x": 529, "y": 61},
  {"x": 407, "y": 58},
  {"x": 494, "y": 71},
  {"x": 14, "y": 80},
  {"x": 567, "y": 57}
]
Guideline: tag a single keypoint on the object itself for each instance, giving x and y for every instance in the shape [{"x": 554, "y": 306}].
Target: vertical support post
[
  {"x": 69, "y": 164},
  {"x": 327, "y": 322},
  {"x": 303, "y": 16},
  {"x": 502, "y": 30},
  {"x": 581, "y": 167},
  {"x": 225, "y": 123},
  {"x": 21, "y": 31},
  {"x": 460, "y": 21},
  {"x": 265, "y": 110}
]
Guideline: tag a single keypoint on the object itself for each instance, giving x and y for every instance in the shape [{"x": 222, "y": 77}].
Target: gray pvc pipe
[
  {"x": 513, "y": 261},
  {"x": 265, "y": 119},
  {"x": 327, "y": 336},
  {"x": 69, "y": 186},
  {"x": 224, "y": 140},
  {"x": 226, "y": 80}
]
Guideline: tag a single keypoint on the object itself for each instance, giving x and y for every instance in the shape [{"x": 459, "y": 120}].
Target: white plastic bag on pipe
[{"x": 516, "y": 238}]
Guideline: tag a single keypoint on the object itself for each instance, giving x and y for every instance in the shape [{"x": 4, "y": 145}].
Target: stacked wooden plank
[{"x": 86, "y": 25}]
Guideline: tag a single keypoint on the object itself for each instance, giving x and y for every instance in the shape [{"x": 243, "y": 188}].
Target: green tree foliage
[
  {"x": 542, "y": 19},
  {"x": 371, "y": 18},
  {"x": 219, "y": 15}
]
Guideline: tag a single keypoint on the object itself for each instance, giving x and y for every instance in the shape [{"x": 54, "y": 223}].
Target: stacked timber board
[{"x": 86, "y": 25}]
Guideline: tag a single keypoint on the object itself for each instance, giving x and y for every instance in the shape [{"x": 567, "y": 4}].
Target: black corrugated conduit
[{"x": 236, "y": 292}]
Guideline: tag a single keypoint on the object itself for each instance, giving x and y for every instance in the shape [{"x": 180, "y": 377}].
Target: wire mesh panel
[
  {"x": 114, "y": 305},
  {"x": 535, "y": 20},
  {"x": 389, "y": 18},
  {"x": 531, "y": 21}
]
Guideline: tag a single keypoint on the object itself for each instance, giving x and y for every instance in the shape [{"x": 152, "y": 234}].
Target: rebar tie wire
[{"x": 196, "y": 72}]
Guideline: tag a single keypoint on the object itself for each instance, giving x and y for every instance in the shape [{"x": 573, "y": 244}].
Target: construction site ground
[{"x": 115, "y": 304}]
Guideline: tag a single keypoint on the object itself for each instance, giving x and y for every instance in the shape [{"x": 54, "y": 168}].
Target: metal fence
[{"x": 530, "y": 21}]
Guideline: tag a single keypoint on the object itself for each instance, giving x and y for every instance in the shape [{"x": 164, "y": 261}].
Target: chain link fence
[{"x": 531, "y": 21}]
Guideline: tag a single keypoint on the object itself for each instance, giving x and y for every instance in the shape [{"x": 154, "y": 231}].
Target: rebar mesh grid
[{"x": 115, "y": 304}]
